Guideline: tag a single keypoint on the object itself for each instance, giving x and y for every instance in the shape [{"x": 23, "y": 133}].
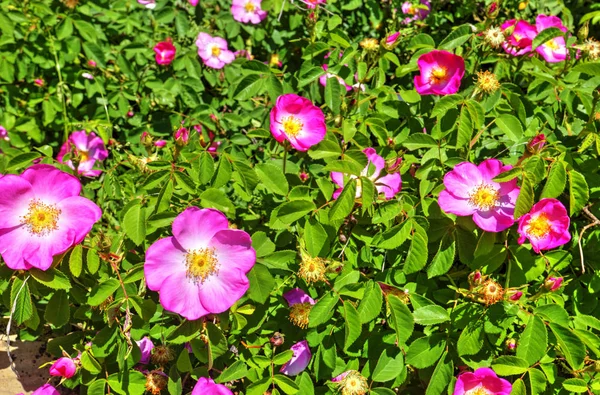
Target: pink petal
[
  {"x": 462, "y": 179},
  {"x": 50, "y": 184},
  {"x": 180, "y": 295},
  {"x": 296, "y": 296},
  {"x": 164, "y": 257},
  {"x": 15, "y": 195},
  {"x": 219, "y": 292},
  {"x": 233, "y": 247},
  {"x": 194, "y": 228},
  {"x": 493, "y": 220},
  {"x": 455, "y": 205},
  {"x": 389, "y": 185},
  {"x": 78, "y": 214}
]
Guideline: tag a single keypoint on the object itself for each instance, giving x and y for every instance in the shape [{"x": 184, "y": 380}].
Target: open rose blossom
[
  {"x": 300, "y": 306},
  {"x": 299, "y": 361},
  {"x": 87, "y": 149},
  {"x": 206, "y": 386},
  {"x": 248, "y": 11},
  {"x": 42, "y": 215},
  {"x": 554, "y": 50},
  {"x": 519, "y": 41},
  {"x": 323, "y": 79},
  {"x": 389, "y": 184},
  {"x": 312, "y": 4},
  {"x": 165, "y": 52},
  {"x": 194, "y": 2},
  {"x": 63, "y": 367},
  {"x": 298, "y": 120},
  {"x": 441, "y": 73},
  {"x": 483, "y": 381},
  {"x": 213, "y": 51},
  {"x": 471, "y": 191},
  {"x": 546, "y": 225},
  {"x": 416, "y": 11},
  {"x": 202, "y": 268}
]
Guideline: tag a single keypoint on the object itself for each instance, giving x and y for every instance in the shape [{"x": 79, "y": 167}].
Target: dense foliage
[{"x": 303, "y": 197}]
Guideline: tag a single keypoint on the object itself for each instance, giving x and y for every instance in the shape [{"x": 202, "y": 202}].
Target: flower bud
[
  {"x": 393, "y": 165},
  {"x": 584, "y": 30},
  {"x": 39, "y": 82},
  {"x": 511, "y": 344},
  {"x": 303, "y": 176},
  {"x": 130, "y": 113},
  {"x": 277, "y": 339},
  {"x": 514, "y": 295},
  {"x": 182, "y": 136},
  {"x": 391, "y": 41},
  {"x": 63, "y": 367},
  {"x": 493, "y": 10},
  {"x": 146, "y": 140},
  {"x": 553, "y": 283},
  {"x": 91, "y": 63},
  {"x": 475, "y": 279},
  {"x": 537, "y": 143},
  {"x": 160, "y": 143}
]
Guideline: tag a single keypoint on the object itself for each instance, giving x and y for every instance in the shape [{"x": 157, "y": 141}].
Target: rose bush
[{"x": 309, "y": 197}]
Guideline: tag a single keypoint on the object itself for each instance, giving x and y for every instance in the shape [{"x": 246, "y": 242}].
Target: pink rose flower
[
  {"x": 519, "y": 41},
  {"x": 312, "y": 4},
  {"x": 546, "y": 226},
  {"x": 389, "y": 184},
  {"x": 165, "y": 52},
  {"x": 213, "y": 51},
  {"x": 391, "y": 39},
  {"x": 296, "y": 296},
  {"x": 193, "y": 2},
  {"x": 206, "y": 386},
  {"x": 324, "y": 77},
  {"x": 553, "y": 283},
  {"x": 182, "y": 136},
  {"x": 298, "y": 120},
  {"x": 554, "y": 50},
  {"x": 149, "y": 4},
  {"x": 146, "y": 347},
  {"x": 248, "y": 11},
  {"x": 441, "y": 73},
  {"x": 299, "y": 360},
  {"x": 88, "y": 148},
  {"x": 471, "y": 191},
  {"x": 415, "y": 13},
  {"x": 202, "y": 268},
  {"x": 481, "y": 381},
  {"x": 42, "y": 215},
  {"x": 63, "y": 367},
  {"x": 45, "y": 389},
  {"x": 3, "y": 133}
]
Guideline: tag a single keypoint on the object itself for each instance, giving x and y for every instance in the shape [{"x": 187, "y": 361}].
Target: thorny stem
[
  {"x": 595, "y": 222},
  {"x": 12, "y": 312}
]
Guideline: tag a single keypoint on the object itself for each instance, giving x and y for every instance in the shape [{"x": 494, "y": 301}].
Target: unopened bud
[
  {"x": 553, "y": 283},
  {"x": 277, "y": 339},
  {"x": 537, "y": 143},
  {"x": 584, "y": 30},
  {"x": 511, "y": 344}
]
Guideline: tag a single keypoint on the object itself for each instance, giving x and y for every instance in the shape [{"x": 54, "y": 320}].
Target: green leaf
[
  {"x": 92, "y": 260},
  {"x": 370, "y": 305},
  {"x": 76, "y": 260},
  {"x": 445, "y": 104},
  {"x": 290, "y": 212},
  {"x": 431, "y": 315},
  {"x": 444, "y": 258},
  {"x": 508, "y": 365},
  {"x": 207, "y": 168},
  {"x": 590, "y": 68},
  {"x": 283, "y": 357},
  {"x": 261, "y": 283},
  {"x": 556, "y": 182},
  {"x": 425, "y": 351},
  {"x": 235, "y": 371},
  {"x": 216, "y": 198},
  {"x": 247, "y": 175},
  {"x": 272, "y": 178},
  {"x": 58, "y": 311},
  {"x": 458, "y": 37},
  {"x": 389, "y": 366},
  {"x": 525, "y": 198},
  {"x": 286, "y": 384},
  {"x": 322, "y": 309},
  {"x": 519, "y": 388},
  {"x": 465, "y": 128},
  {"x": 393, "y": 237},
  {"x": 333, "y": 94},
  {"x": 579, "y": 192},
  {"x": 417, "y": 253},
  {"x": 94, "y": 52},
  {"x": 102, "y": 291},
  {"x": 51, "y": 278},
  {"x": 546, "y": 35},
  {"x": 578, "y": 386},
  {"x": 534, "y": 341},
  {"x": 23, "y": 308},
  {"x": 401, "y": 319},
  {"x": 315, "y": 238},
  {"x": 353, "y": 327},
  {"x": 89, "y": 363},
  {"x": 442, "y": 375},
  {"x": 470, "y": 340},
  {"x": 22, "y": 160},
  {"x": 571, "y": 346},
  {"x": 134, "y": 223},
  {"x": 185, "y": 182},
  {"x": 420, "y": 140},
  {"x": 344, "y": 203},
  {"x": 97, "y": 387},
  {"x": 249, "y": 87},
  {"x": 508, "y": 175},
  {"x": 510, "y": 126}
]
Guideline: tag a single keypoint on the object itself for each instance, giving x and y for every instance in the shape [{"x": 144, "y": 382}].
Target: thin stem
[{"x": 285, "y": 153}]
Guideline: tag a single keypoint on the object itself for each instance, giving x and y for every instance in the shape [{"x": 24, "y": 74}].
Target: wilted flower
[
  {"x": 593, "y": 48},
  {"x": 483, "y": 381},
  {"x": 149, "y": 4},
  {"x": 487, "y": 81},
  {"x": 248, "y": 11},
  {"x": 165, "y": 52},
  {"x": 441, "y": 73},
  {"x": 242, "y": 53},
  {"x": 312, "y": 269},
  {"x": 553, "y": 283},
  {"x": 63, "y": 367},
  {"x": 86, "y": 149},
  {"x": 162, "y": 355},
  {"x": 206, "y": 386},
  {"x": 300, "y": 305},
  {"x": 275, "y": 61},
  {"x": 156, "y": 381},
  {"x": 3, "y": 133},
  {"x": 298, "y": 120},
  {"x": 554, "y": 50},
  {"x": 299, "y": 361},
  {"x": 277, "y": 339},
  {"x": 537, "y": 143},
  {"x": 370, "y": 44},
  {"x": 494, "y": 37},
  {"x": 403, "y": 295},
  {"x": 491, "y": 292},
  {"x": 546, "y": 225},
  {"x": 520, "y": 36},
  {"x": 146, "y": 347},
  {"x": 470, "y": 190},
  {"x": 352, "y": 382},
  {"x": 213, "y": 51}
]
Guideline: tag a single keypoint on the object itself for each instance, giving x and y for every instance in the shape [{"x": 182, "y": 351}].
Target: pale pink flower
[
  {"x": 213, "y": 51},
  {"x": 299, "y": 361},
  {"x": 206, "y": 386},
  {"x": 165, "y": 52},
  {"x": 63, "y": 367},
  {"x": 482, "y": 381},
  {"x": 441, "y": 73},
  {"x": 202, "y": 268},
  {"x": 546, "y": 225},
  {"x": 519, "y": 41},
  {"x": 470, "y": 190},
  {"x": 248, "y": 11},
  {"x": 554, "y": 50},
  {"x": 87, "y": 148},
  {"x": 298, "y": 120},
  {"x": 87, "y": 76}
]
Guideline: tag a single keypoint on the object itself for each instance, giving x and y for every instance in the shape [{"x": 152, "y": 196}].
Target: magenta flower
[
  {"x": 39, "y": 82},
  {"x": 248, "y": 11},
  {"x": 299, "y": 360},
  {"x": 146, "y": 347},
  {"x": 296, "y": 296},
  {"x": 546, "y": 225},
  {"x": 182, "y": 136},
  {"x": 389, "y": 184},
  {"x": 213, "y": 51},
  {"x": 206, "y": 386},
  {"x": 42, "y": 215},
  {"x": 193, "y": 2},
  {"x": 3, "y": 133},
  {"x": 63, "y": 367},
  {"x": 165, "y": 52},
  {"x": 91, "y": 63},
  {"x": 324, "y": 77},
  {"x": 471, "y": 191},
  {"x": 298, "y": 120},
  {"x": 416, "y": 12},
  {"x": 87, "y": 148},
  {"x": 515, "y": 296},
  {"x": 202, "y": 268},
  {"x": 149, "y": 4},
  {"x": 481, "y": 381},
  {"x": 537, "y": 143},
  {"x": 312, "y": 4},
  {"x": 160, "y": 143},
  {"x": 554, "y": 50},
  {"x": 519, "y": 41},
  {"x": 553, "y": 283},
  {"x": 441, "y": 73},
  {"x": 45, "y": 389}
]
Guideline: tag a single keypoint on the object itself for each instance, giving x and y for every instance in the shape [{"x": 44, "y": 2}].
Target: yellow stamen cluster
[
  {"x": 312, "y": 270},
  {"x": 552, "y": 44},
  {"x": 487, "y": 81},
  {"x": 299, "y": 313},
  {"x": 491, "y": 292},
  {"x": 484, "y": 197},
  {"x": 292, "y": 125},
  {"x": 370, "y": 44},
  {"x": 250, "y": 7},
  {"x": 41, "y": 219},
  {"x": 438, "y": 75},
  {"x": 155, "y": 382},
  {"x": 215, "y": 51},
  {"x": 201, "y": 264},
  {"x": 354, "y": 384},
  {"x": 593, "y": 48},
  {"x": 538, "y": 226},
  {"x": 162, "y": 355},
  {"x": 494, "y": 37}
]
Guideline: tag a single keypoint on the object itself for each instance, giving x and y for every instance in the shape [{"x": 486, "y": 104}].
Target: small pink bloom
[
  {"x": 516, "y": 296},
  {"x": 182, "y": 136},
  {"x": 554, "y": 50},
  {"x": 39, "y": 82},
  {"x": 146, "y": 347},
  {"x": 87, "y": 76},
  {"x": 160, "y": 143},
  {"x": 312, "y": 4},
  {"x": 248, "y": 11},
  {"x": 242, "y": 53},
  {"x": 206, "y": 386},
  {"x": 296, "y": 296},
  {"x": 553, "y": 283},
  {"x": 63, "y": 367},
  {"x": 417, "y": 10},
  {"x": 193, "y": 2},
  {"x": 213, "y": 51},
  {"x": 389, "y": 184},
  {"x": 214, "y": 146},
  {"x": 165, "y": 52},
  {"x": 42, "y": 215},
  {"x": 298, "y": 120},
  {"x": 303, "y": 176},
  {"x": 149, "y": 4},
  {"x": 482, "y": 381},
  {"x": 87, "y": 148},
  {"x": 511, "y": 344},
  {"x": 391, "y": 39},
  {"x": 299, "y": 361},
  {"x": 3, "y": 133},
  {"x": 46, "y": 389},
  {"x": 471, "y": 191},
  {"x": 324, "y": 77},
  {"x": 519, "y": 41},
  {"x": 202, "y": 268},
  {"x": 546, "y": 226},
  {"x": 537, "y": 143},
  {"x": 91, "y": 63},
  {"x": 441, "y": 73}
]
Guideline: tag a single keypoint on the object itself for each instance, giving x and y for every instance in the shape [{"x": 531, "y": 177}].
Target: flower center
[
  {"x": 215, "y": 51},
  {"x": 249, "y": 7},
  {"x": 41, "y": 219},
  {"x": 299, "y": 313},
  {"x": 538, "y": 226},
  {"x": 201, "y": 264},
  {"x": 312, "y": 270},
  {"x": 438, "y": 75},
  {"x": 84, "y": 155},
  {"x": 412, "y": 10},
  {"x": 517, "y": 37},
  {"x": 292, "y": 126},
  {"x": 354, "y": 384},
  {"x": 484, "y": 197},
  {"x": 478, "y": 391},
  {"x": 553, "y": 45}
]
